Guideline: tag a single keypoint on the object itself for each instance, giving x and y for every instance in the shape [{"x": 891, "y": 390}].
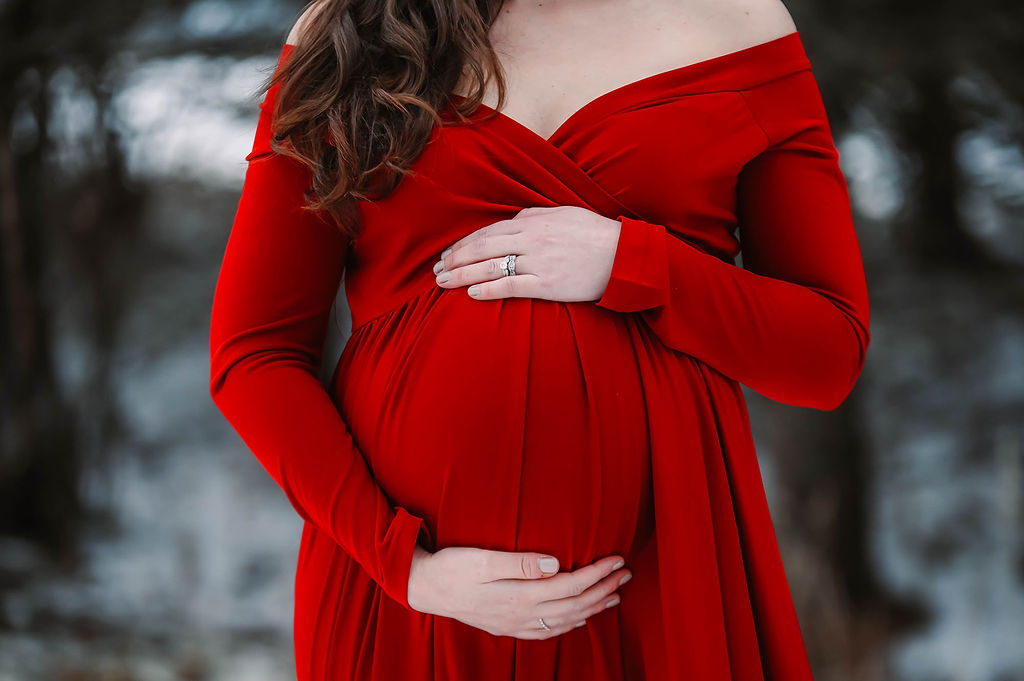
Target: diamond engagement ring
[
  {"x": 546, "y": 627},
  {"x": 508, "y": 265}
]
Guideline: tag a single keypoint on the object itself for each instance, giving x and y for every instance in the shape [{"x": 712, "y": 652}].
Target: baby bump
[{"x": 514, "y": 424}]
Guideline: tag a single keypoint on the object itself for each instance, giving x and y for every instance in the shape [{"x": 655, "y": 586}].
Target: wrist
[
  {"x": 613, "y": 249},
  {"x": 419, "y": 556},
  {"x": 639, "y": 278}
]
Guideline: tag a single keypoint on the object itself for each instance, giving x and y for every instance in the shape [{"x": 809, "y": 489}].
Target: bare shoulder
[
  {"x": 312, "y": 9},
  {"x": 722, "y": 26},
  {"x": 757, "y": 20}
]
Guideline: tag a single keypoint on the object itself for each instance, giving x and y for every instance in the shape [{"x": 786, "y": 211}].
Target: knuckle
[
  {"x": 593, "y": 598},
  {"x": 610, "y": 592},
  {"x": 593, "y": 608},
  {"x": 605, "y": 598},
  {"x": 524, "y": 565}
]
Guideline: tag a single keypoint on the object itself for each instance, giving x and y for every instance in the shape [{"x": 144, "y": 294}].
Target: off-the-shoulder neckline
[{"x": 735, "y": 70}]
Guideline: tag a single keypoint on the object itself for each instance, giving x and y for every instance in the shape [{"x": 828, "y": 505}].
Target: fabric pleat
[{"x": 577, "y": 429}]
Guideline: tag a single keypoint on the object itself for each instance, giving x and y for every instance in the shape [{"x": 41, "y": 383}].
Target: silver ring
[
  {"x": 508, "y": 265},
  {"x": 546, "y": 627}
]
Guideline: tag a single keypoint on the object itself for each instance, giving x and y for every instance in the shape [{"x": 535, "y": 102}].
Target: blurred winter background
[{"x": 140, "y": 540}]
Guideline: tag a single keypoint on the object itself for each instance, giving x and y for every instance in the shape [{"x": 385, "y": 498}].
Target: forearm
[{"x": 787, "y": 341}]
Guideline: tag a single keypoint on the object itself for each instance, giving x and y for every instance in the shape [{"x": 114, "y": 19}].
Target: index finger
[{"x": 499, "y": 227}]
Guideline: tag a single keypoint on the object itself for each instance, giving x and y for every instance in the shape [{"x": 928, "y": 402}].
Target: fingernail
[
  {"x": 438, "y": 266},
  {"x": 625, "y": 578},
  {"x": 580, "y": 624},
  {"x": 548, "y": 564},
  {"x": 445, "y": 253},
  {"x": 473, "y": 290},
  {"x": 618, "y": 564},
  {"x": 614, "y": 601},
  {"x": 444, "y": 277}
]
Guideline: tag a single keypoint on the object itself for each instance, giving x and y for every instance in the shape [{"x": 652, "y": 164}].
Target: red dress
[{"x": 577, "y": 429}]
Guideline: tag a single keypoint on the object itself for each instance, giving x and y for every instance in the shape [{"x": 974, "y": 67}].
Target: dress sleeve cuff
[
  {"x": 639, "y": 278},
  {"x": 404, "y": 534}
]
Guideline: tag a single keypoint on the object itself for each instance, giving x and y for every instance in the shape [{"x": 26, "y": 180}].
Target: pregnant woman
[{"x": 550, "y": 331}]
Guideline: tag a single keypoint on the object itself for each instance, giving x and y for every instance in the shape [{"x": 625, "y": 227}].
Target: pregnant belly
[{"x": 514, "y": 424}]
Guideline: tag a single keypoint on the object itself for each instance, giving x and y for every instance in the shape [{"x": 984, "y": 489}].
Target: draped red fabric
[{"x": 576, "y": 429}]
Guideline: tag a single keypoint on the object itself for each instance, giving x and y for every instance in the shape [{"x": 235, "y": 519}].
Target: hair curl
[{"x": 361, "y": 93}]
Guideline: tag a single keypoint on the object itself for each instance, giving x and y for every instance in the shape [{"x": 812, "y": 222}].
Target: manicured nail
[
  {"x": 445, "y": 253},
  {"x": 625, "y": 578},
  {"x": 580, "y": 624},
  {"x": 444, "y": 277},
  {"x": 438, "y": 266},
  {"x": 473, "y": 290},
  {"x": 614, "y": 601},
  {"x": 619, "y": 563},
  {"x": 547, "y": 564}
]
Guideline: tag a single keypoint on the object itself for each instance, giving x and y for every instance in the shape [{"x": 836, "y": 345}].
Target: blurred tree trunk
[
  {"x": 86, "y": 226},
  {"x": 39, "y": 467},
  {"x": 42, "y": 429}
]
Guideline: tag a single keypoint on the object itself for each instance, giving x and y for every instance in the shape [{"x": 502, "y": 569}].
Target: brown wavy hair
[{"x": 361, "y": 93}]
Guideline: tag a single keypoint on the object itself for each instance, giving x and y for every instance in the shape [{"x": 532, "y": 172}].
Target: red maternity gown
[{"x": 577, "y": 429}]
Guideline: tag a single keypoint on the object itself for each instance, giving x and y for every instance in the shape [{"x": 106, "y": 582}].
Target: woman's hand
[
  {"x": 503, "y": 593},
  {"x": 563, "y": 253}
]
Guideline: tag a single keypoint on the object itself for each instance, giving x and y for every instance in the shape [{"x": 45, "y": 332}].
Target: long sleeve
[
  {"x": 278, "y": 279},
  {"x": 793, "y": 322}
]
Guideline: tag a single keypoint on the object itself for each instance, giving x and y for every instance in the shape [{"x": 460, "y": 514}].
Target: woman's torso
[{"x": 519, "y": 424}]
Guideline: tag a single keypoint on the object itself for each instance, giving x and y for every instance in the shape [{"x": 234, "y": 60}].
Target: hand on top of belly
[
  {"x": 562, "y": 253},
  {"x": 504, "y": 593}
]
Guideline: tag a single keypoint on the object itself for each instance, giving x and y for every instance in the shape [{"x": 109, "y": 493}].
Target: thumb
[{"x": 525, "y": 565}]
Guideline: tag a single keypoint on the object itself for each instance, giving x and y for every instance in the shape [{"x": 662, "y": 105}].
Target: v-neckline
[
  {"x": 789, "y": 52},
  {"x": 646, "y": 81}
]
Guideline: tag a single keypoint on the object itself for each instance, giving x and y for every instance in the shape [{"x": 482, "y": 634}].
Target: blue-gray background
[{"x": 139, "y": 539}]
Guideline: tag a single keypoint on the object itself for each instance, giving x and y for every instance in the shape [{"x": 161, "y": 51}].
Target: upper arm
[
  {"x": 302, "y": 25},
  {"x": 795, "y": 216},
  {"x": 279, "y": 274}
]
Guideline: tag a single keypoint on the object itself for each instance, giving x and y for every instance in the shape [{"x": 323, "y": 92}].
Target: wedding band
[
  {"x": 546, "y": 627},
  {"x": 508, "y": 265}
]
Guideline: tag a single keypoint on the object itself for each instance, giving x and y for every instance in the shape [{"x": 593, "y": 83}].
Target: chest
[{"x": 672, "y": 157}]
